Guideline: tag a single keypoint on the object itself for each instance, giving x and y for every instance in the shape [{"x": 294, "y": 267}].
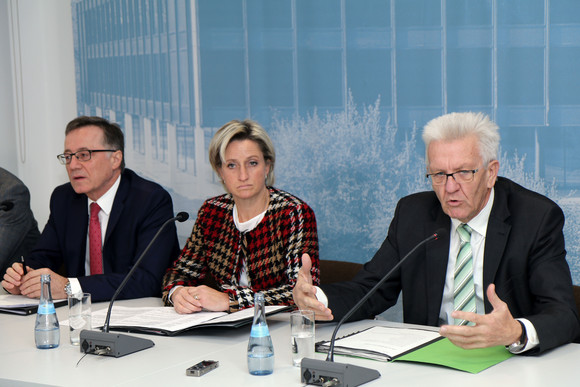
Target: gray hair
[{"x": 454, "y": 126}]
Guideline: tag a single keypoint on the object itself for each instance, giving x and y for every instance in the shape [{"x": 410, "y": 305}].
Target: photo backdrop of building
[{"x": 344, "y": 88}]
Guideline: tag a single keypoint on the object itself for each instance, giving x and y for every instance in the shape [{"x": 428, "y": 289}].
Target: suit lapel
[
  {"x": 437, "y": 258},
  {"x": 118, "y": 206},
  {"x": 498, "y": 231},
  {"x": 76, "y": 238}
]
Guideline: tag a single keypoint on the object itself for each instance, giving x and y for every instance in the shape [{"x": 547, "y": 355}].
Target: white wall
[
  {"x": 37, "y": 97},
  {"x": 8, "y": 157}
]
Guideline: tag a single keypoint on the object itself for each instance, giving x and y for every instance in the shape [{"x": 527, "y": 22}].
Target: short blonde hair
[{"x": 236, "y": 130}]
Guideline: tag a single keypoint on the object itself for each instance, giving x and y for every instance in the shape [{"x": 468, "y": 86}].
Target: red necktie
[{"x": 95, "y": 241}]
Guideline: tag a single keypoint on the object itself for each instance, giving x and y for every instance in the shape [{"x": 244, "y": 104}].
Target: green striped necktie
[{"x": 464, "y": 290}]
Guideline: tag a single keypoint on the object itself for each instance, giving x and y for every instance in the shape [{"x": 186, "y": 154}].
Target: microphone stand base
[
  {"x": 111, "y": 344},
  {"x": 319, "y": 372}
]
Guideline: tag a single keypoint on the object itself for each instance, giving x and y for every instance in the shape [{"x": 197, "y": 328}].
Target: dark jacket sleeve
[
  {"x": 50, "y": 250},
  {"x": 18, "y": 228}
]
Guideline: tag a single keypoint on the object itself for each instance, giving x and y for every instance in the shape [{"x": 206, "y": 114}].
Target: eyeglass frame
[
  {"x": 63, "y": 156},
  {"x": 473, "y": 172}
]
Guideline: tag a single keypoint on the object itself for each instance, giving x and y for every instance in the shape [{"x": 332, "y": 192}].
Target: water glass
[
  {"x": 79, "y": 315},
  {"x": 302, "y": 331}
]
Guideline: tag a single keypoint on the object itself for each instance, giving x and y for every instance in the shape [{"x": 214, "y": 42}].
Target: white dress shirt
[{"x": 479, "y": 226}]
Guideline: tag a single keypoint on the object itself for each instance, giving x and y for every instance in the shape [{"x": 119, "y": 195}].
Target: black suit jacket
[
  {"x": 139, "y": 209},
  {"x": 524, "y": 257},
  {"x": 18, "y": 228}
]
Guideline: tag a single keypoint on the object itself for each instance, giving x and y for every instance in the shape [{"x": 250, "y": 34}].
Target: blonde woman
[{"x": 250, "y": 239}]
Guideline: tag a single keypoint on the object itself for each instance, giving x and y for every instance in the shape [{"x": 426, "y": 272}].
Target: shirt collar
[
  {"x": 106, "y": 201},
  {"x": 479, "y": 222},
  {"x": 248, "y": 225}
]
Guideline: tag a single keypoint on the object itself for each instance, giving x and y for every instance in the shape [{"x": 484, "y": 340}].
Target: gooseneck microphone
[
  {"x": 6, "y": 205},
  {"x": 115, "y": 344},
  {"x": 181, "y": 217},
  {"x": 321, "y": 372}
]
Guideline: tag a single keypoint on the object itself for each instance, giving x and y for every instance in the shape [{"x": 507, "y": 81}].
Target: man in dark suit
[
  {"x": 18, "y": 228},
  {"x": 128, "y": 212},
  {"x": 518, "y": 289}
]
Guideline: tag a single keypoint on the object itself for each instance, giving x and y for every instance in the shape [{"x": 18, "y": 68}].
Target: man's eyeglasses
[
  {"x": 82, "y": 155},
  {"x": 463, "y": 176}
]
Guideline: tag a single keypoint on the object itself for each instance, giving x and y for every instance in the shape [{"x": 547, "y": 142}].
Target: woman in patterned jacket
[{"x": 248, "y": 240}]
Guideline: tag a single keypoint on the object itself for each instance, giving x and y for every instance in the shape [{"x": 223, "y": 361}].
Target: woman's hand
[{"x": 191, "y": 299}]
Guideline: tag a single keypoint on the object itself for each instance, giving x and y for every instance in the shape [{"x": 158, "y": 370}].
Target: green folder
[{"x": 443, "y": 352}]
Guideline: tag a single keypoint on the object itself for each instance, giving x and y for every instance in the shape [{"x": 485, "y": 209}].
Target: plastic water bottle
[
  {"x": 46, "y": 330},
  {"x": 260, "y": 348}
]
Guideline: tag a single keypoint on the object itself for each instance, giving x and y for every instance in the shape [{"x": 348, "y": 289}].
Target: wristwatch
[
  {"x": 67, "y": 289},
  {"x": 521, "y": 343}
]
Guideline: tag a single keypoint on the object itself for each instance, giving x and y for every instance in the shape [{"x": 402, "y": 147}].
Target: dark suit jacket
[
  {"x": 524, "y": 257},
  {"x": 139, "y": 209},
  {"x": 18, "y": 228}
]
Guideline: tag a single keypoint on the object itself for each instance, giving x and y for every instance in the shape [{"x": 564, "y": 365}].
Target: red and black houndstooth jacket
[{"x": 272, "y": 251}]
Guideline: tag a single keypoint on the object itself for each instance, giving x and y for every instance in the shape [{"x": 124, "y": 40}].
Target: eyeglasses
[
  {"x": 82, "y": 155},
  {"x": 463, "y": 176}
]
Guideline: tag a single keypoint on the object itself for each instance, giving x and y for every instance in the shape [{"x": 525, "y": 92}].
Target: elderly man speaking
[{"x": 499, "y": 278}]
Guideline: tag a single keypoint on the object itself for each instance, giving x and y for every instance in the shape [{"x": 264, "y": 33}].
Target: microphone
[
  {"x": 116, "y": 344},
  {"x": 6, "y": 205},
  {"x": 322, "y": 372}
]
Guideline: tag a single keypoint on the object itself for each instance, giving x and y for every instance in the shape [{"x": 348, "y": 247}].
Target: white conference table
[{"x": 22, "y": 364}]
